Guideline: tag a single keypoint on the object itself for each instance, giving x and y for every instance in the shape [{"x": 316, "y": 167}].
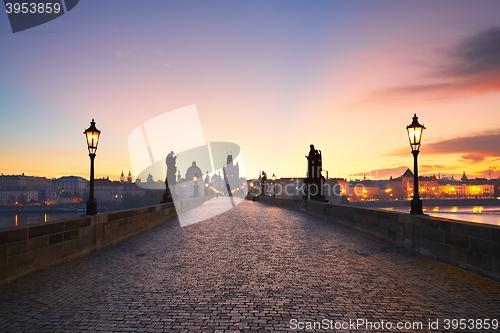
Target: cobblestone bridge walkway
[{"x": 254, "y": 268}]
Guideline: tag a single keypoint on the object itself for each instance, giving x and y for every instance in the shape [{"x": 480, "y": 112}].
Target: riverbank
[
  {"x": 41, "y": 209},
  {"x": 428, "y": 203},
  {"x": 17, "y": 216},
  {"x": 477, "y": 214}
]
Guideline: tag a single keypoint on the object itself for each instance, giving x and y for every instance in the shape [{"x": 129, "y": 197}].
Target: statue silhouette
[
  {"x": 264, "y": 183},
  {"x": 314, "y": 180},
  {"x": 170, "y": 177}
]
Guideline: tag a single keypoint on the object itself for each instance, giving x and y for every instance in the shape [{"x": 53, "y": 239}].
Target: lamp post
[
  {"x": 273, "y": 177},
  {"x": 415, "y": 136},
  {"x": 92, "y": 135},
  {"x": 206, "y": 182},
  {"x": 263, "y": 184},
  {"x": 195, "y": 178}
]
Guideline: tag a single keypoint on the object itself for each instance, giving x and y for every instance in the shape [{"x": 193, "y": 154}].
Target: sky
[{"x": 272, "y": 77}]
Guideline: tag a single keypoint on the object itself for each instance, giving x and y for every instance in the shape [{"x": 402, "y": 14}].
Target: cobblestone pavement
[{"x": 254, "y": 268}]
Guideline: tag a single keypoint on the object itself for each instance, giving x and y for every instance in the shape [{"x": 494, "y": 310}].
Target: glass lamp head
[
  {"x": 92, "y": 135},
  {"x": 415, "y": 133}
]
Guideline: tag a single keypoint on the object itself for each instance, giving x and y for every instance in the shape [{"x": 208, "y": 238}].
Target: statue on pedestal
[
  {"x": 170, "y": 178},
  {"x": 264, "y": 183},
  {"x": 314, "y": 180}
]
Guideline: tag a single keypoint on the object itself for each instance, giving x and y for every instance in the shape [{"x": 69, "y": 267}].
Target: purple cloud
[
  {"x": 470, "y": 67},
  {"x": 472, "y": 158},
  {"x": 478, "y": 54},
  {"x": 475, "y": 148}
]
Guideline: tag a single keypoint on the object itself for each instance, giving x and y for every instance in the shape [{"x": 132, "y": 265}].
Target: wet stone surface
[{"x": 254, "y": 268}]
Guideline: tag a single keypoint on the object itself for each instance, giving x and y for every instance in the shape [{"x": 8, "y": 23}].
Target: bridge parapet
[
  {"x": 469, "y": 245},
  {"x": 29, "y": 248}
]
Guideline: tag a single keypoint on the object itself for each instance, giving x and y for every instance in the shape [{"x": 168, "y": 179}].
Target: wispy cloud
[
  {"x": 472, "y": 158},
  {"x": 161, "y": 64},
  {"x": 431, "y": 168},
  {"x": 119, "y": 29},
  {"x": 470, "y": 67},
  {"x": 474, "y": 148},
  {"x": 398, "y": 171},
  {"x": 492, "y": 172},
  {"x": 476, "y": 55},
  {"x": 381, "y": 173},
  {"x": 122, "y": 53}
]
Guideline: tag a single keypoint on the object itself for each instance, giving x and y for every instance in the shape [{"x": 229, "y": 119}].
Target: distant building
[
  {"x": 17, "y": 195},
  {"x": 342, "y": 184},
  {"x": 284, "y": 187},
  {"x": 129, "y": 178},
  {"x": 363, "y": 190},
  {"x": 192, "y": 171},
  {"x": 464, "y": 178},
  {"x": 496, "y": 183},
  {"x": 211, "y": 184},
  {"x": 107, "y": 191},
  {"x": 206, "y": 185},
  {"x": 428, "y": 187},
  {"x": 332, "y": 190},
  {"x": 218, "y": 183},
  {"x": 402, "y": 188},
  {"x": 232, "y": 172},
  {"x": 21, "y": 190},
  {"x": 184, "y": 189},
  {"x": 38, "y": 183},
  {"x": 453, "y": 191},
  {"x": 62, "y": 198},
  {"x": 22, "y": 187},
  {"x": 71, "y": 184}
]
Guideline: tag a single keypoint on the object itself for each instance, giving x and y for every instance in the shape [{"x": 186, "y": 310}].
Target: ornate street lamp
[
  {"x": 415, "y": 136},
  {"x": 195, "y": 178},
  {"x": 273, "y": 177},
  {"x": 206, "y": 183},
  {"x": 92, "y": 135}
]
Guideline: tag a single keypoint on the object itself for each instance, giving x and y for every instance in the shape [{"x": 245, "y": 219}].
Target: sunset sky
[{"x": 270, "y": 76}]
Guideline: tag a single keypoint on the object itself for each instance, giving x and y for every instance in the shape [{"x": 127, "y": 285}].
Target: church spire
[{"x": 464, "y": 177}]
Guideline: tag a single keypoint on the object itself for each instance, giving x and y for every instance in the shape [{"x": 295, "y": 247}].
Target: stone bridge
[{"x": 254, "y": 268}]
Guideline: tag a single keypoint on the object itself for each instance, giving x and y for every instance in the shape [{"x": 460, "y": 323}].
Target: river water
[
  {"x": 12, "y": 219},
  {"x": 478, "y": 214}
]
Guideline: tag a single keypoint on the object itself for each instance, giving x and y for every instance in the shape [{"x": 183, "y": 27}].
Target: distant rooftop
[
  {"x": 21, "y": 176},
  {"x": 407, "y": 173},
  {"x": 71, "y": 178}
]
